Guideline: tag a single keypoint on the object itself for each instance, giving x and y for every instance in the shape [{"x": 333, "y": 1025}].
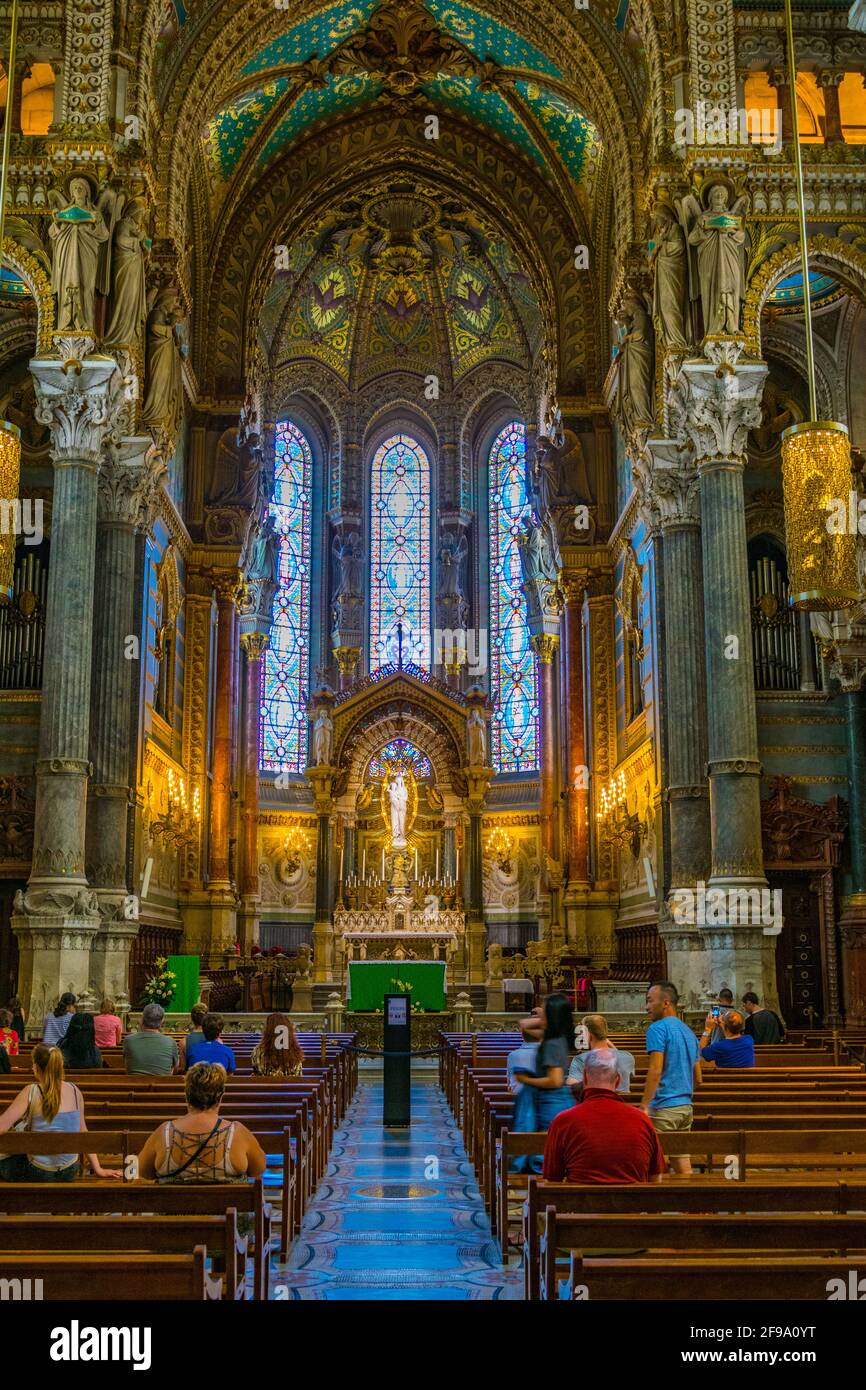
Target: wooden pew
[
  {"x": 97, "y": 1198},
  {"x": 97, "y": 1236},
  {"x": 79, "y": 1278},
  {"x": 681, "y": 1279},
  {"x": 711, "y": 1234}
]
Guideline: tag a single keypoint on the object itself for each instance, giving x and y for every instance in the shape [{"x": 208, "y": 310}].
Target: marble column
[
  {"x": 223, "y": 903},
  {"x": 129, "y": 482},
  {"x": 546, "y": 647},
  {"x": 853, "y": 919},
  {"x": 779, "y": 81},
  {"x": 478, "y": 780},
  {"x": 722, "y": 396},
  {"x": 829, "y": 84},
  {"x": 253, "y": 645},
  {"x": 573, "y": 587},
  {"x": 321, "y": 778},
  {"x": 78, "y": 397},
  {"x": 672, "y": 497}
]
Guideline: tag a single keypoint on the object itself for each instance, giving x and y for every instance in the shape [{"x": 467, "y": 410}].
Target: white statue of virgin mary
[{"x": 398, "y": 795}]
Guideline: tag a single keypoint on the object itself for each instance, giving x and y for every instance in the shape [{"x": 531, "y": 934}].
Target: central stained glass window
[
  {"x": 400, "y": 553},
  {"x": 400, "y": 751},
  {"x": 513, "y": 670},
  {"x": 286, "y": 664}
]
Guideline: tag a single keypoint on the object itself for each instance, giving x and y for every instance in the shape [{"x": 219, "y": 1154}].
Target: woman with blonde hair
[
  {"x": 54, "y": 1105},
  {"x": 200, "y": 1147},
  {"x": 279, "y": 1052},
  {"x": 107, "y": 1025}
]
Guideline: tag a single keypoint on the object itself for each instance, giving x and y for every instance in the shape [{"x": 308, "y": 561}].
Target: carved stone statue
[
  {"x": 323, "y": 736},
  {"x": 128, "y": 291},
  {"x": 670, "y": 265},
  {"x": 539, "y": 558},
  {"x": 720, "y": 238},
  {"x": 265, "y": 557},
  {"x": 348, "y": 552},
  {"x": 398, "y": 797},
  {"x": 77, "y": 231},
  {"x": 634, "y": 397},
  {"x": 452, "y": 567},
  {"x": 495, "y": 962},
  {"x": 163, "y": 402},
  {"x": 476, "y": 738}
]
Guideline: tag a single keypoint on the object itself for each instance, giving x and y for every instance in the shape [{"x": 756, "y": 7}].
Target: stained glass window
[
  {"x": 285, "y": 668},
  {"x": 513, "y": 671},
  {"x": 400, "y": 552},
  {"x": 400, "y": 750}
]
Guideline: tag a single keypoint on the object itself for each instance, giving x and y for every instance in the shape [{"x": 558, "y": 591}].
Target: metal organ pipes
[{"x": 22, "y": 623}]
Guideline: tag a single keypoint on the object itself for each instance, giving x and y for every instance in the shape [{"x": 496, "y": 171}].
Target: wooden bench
[
  {"x": 774, "y": 1279},
  {"x": 712, "y": 1234},
  {"x": 77, "y": 1278}
]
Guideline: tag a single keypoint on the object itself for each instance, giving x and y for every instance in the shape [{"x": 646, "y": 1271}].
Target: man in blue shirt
[
  {"x": 734, "y": 1049},
  {"x": 211, "y": 1049},
  {"x": 674, "y": 1068}
]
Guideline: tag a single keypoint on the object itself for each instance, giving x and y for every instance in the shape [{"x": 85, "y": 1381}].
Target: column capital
[
  {"x": 228, "y": 585},
  {"x": 255, "y": 644},
  {"x": 719, "y": 399},
  {"x": 666, "y": 480},
  {"x": 79, "y": 398},
  {"x": 129, "y": 482},
  {"x": 546, "y": 645},
  {"x": 827, "y": 77}
]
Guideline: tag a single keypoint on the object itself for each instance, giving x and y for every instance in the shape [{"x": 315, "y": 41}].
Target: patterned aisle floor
[{"x": 398, "y": 1215}]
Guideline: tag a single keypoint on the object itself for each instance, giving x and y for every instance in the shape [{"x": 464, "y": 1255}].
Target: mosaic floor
[{"x": 398, "y": 1215}]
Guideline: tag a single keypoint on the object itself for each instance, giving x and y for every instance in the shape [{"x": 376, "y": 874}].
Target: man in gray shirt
[
  {"x": 597, "y": 1039},
  {"x": 149, "y": 1050}
]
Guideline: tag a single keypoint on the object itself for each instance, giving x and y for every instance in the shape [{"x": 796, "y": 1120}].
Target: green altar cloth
[
  {"x": 370, "y": 980},
  {"x": 187, "y": 969}
]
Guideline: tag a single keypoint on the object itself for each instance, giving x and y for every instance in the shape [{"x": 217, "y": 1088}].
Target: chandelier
[
  {"x": 10, "y": 473},
  {"x": 500, "y": 846},
  {"x": 295, "y": 845},
  {"x": 816, "y": 455}
]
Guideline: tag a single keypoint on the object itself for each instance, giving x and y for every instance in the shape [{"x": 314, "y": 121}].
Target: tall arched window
[
  {"x": 513, "y": 671},
  {"x": 399, "y": 552},
  {"x": 286, "y": 665}
]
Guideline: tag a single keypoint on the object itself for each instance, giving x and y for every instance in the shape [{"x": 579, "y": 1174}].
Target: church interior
[{"x": 432, "y": 448}]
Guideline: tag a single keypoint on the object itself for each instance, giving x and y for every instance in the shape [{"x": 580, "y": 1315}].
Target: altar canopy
[{"x": 370, "y": 981}]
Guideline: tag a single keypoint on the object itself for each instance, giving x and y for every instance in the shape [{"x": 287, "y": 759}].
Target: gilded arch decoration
[
  {"x": 787, "y": 260},
  {"x": 38, "y": 283}
]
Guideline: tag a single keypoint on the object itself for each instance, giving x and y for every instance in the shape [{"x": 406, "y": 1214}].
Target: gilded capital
[
  {"x": 546, "y": 645},
  {"x": 255, "y": 644}
]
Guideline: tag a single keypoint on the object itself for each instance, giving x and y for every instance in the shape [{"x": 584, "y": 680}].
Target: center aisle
[{"x": 398, "y": 1215}]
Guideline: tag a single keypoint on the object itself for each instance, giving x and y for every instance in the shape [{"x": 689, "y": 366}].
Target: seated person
[
  {"x": 9, "y": 1037},
  {"x": 210, "y": 1049},
  {"x": 79, "y": 1045},
  {"x": 200, "y": 1147},
  {"x": 598, "y": 1038},
  {"x": 51, "y": 1104},
  {"x": 107, "y": 1025},
  {"x": 194, "y": 1035},
  {"x": 734, "y": 1049},
  {"x": 150, "y": 1052},
  {"x": 604, "y": 1139},
  {"x": 279, "y": 1053}
]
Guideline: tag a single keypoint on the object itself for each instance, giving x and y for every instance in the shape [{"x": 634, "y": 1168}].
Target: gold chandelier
[
  {"x": 10, "y": 474},
  {"x": 500, "y": 846},
  {"x": 295, "y": 844},
  {"x": 816, "y": 456}
]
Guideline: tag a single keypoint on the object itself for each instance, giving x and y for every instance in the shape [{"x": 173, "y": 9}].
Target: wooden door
[{"x": 798, "y": 952}]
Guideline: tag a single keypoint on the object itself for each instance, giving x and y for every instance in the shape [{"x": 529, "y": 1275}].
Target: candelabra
[
  {"x": 616, "y": 823},
  {"x": 180, "y": 823}
]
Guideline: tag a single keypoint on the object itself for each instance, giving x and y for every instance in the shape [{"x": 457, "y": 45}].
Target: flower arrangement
[{"x": 160, "y": 988}]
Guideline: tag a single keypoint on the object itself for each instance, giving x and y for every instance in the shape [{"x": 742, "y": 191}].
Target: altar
[
  {"x": 370, "y": 981},
  {"x": 400, "y": 929}
]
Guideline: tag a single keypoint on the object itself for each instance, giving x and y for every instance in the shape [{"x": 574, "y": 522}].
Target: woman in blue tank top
[{"x": 54, "y": 1106}]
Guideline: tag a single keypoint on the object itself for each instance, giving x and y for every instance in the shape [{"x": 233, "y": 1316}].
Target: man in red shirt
[{"x": 604, "y": 1139}]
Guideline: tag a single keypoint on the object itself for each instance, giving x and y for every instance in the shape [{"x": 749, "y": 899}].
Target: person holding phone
[{"x": 734, "y": 1049}]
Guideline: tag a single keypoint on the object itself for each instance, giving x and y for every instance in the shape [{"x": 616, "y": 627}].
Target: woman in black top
[
  {"x": 79, "y": 1045},
  {"x": 554, "y": 1056},
  {"x": 16, "y": 1009}
]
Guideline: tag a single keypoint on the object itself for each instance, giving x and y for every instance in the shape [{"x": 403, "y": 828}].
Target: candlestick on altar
[
  {"x": 383, "y": 866},
  {"x": 437, "y": 861},
  {"x": 364, "y": 865}
]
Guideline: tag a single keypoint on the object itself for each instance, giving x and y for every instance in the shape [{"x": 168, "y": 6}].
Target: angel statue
[
  {"x": 476, "y": 737},
  {"x": 348, "y": 552},
  {"x": 77, "y": 232},
  {"x": 323, "y": 736},
  {"x": 452, "y": 562},
  {"x": 163, "y": 401},
  {"x": 634, "y": 395},
  {"x": 669, "y": 260},
  {"x": 128, "y": 290},
  {"x": 718, "y": 233}
]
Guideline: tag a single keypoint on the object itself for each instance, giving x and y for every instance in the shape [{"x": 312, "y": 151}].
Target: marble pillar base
[
  {"x": 323, "y": 952},
  {"x": 249, "y": 924},
  {"x": 209, "y": 926},
  {"x": 703, "y": 960},
  {"x": 852, "y": 929},
  {"x": 54, "y": 956},
  {"x": 575, "y": 906},
  {"x": 477, "y": 939},
  {"x": 109, "y": 960}
]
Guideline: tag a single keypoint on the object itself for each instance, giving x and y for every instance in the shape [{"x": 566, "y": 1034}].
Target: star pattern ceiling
[{"x": 238, "y": 123}]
